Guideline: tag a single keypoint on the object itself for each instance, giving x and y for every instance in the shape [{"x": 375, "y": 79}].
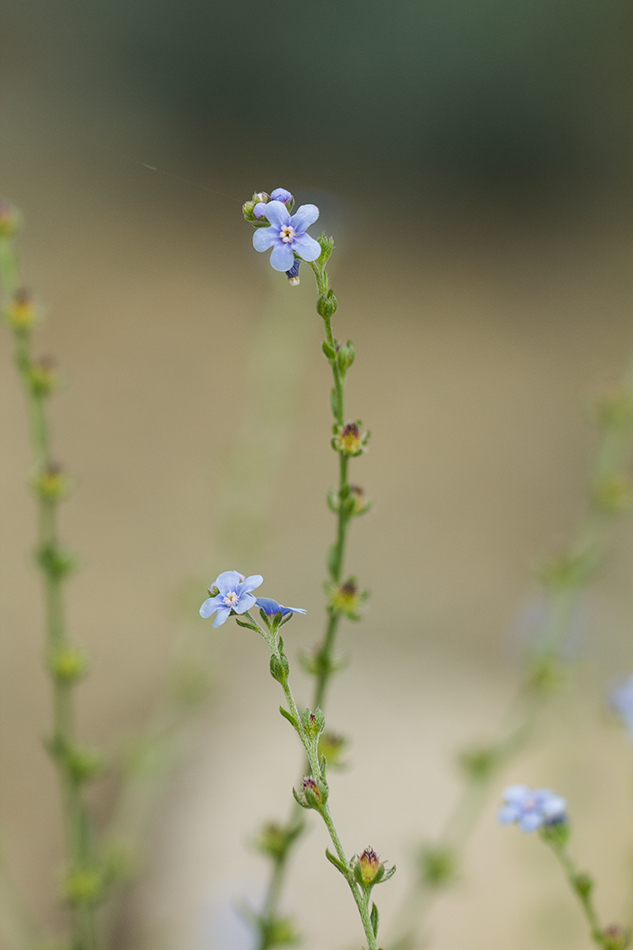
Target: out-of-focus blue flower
[
  {"x": 531, "y": 808},
  {"x": 620, "y": 698},
  {"x": 271, "y": 607},
  {"x": 287, "y": 235},
  {"x": 230, "y": 591},
  {"x": 279, "y": 194}
]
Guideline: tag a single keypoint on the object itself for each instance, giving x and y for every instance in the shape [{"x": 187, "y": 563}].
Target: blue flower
[
  {"x": 271, "y": 607},
  {"x": 279, "y": 194},
  {"x": 620, "y": 697},
  {"x": 531, "y": 808},
  {"x": 231, "y": 591},
  {"x": 287, "y": 235}
]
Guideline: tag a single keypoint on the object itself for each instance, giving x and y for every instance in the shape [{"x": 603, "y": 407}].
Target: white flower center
[
  {"x": 287, "y": 233},
  {"x": 231, "y": 599}
]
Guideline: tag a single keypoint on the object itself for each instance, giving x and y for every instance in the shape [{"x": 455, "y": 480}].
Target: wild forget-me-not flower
[
  {"x": 531, "y": 808},
  {"x": 231, "y": 591},
  {"x": 287, "y": 235}
]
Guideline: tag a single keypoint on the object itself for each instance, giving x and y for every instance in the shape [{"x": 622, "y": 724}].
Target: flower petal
[
  {"x": 516, "y": 793},
  {"x": 250, "y": 583},
  {"x": 530, "y": 821},
  {"x": 268, "y": 605},
  {"x": 282, "y": 257},
  {"x": 277, "y": 214},
  {"x": 507, "y": 814},
  {"x": 228, "y": 581},
  {"x": 246, "y": 602},
  {"x": 263, "y": 238},
  {"x": 306, "y": 247},
  {"x": 304, "y": 217},
  {"x": 295, "y": 610},
  {"x": 281, "y": 194},
  {"x": 222, "y": 615},
  {"x": 209, "y": 607}
]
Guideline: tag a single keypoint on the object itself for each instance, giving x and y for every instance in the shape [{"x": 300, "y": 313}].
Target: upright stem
[{"x": 63, "y": 662}]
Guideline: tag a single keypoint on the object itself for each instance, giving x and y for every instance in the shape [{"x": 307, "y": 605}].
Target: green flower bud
[
  {"x": 274, "y": 840},
  {"x": 21, "y": 313},
  {"x": 52, "y": 484},
  {"x": 279, "y": 668},
  {"x": 346, "y": 598},
  {"x": 479, "y": 764},
  {"x": 68, "y": 664},
  {"x": 327, "y": 246},
  {"x": 55, "y": 561},
  {"x": 278, "y": 932},
  {"x": 332, "y": 746},
  {"x": 369, "y": 870},
  {"x": 616, "y": 937},
  {"x": 350, "y": 439},
  {"x": 84, "y": 885},
  {"x": 313, "y": 722},
  {"x": 43, "y": 376},
  {"x": 311, "y": 794},
  {"x": 614, "y": 409},
  {"x": 327, "y": 305}
]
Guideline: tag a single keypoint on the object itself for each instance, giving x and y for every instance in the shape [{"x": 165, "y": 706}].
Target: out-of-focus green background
[{"x": 473, "y": 161}]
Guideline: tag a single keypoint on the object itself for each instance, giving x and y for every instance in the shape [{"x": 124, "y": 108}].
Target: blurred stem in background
[
  {"x": 564, "y": 579},
  {"x": 85, "y": 877}
]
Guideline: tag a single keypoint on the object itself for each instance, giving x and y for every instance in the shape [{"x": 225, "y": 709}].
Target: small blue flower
[
  {"x": 231, "y": 591},
  {"x": 531, "y": 808},
  {"x": 271, "y": 607},
  {"x": 287, "y": 235},
  {"x": 279, "y": 194},
  {"x": 620, "y": 698}
]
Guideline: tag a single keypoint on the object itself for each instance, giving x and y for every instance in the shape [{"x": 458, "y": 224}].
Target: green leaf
[
  {"x": 374, "y": 919},
  {"x": 250, "y": 626},
  {"x": 291, "y": 719},
  {"x": 337, "y": 864}
]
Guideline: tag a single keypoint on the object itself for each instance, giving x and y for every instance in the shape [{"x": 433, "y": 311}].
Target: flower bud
[
  {"x": 615, "y": 937},
  {"x": 84, "y": 885},
  {"x": 293, "y": 274},
  {"x": 10, "y": 219},
  {"x": 279, "y": 668},
  {"x": 613, "y": 493},
  {"x": 614, "y": 409},
  {"x": 52, "y": 484},
  {"x": 313, "y": 722},
  {"x": 346, "y": 598},
  {"x": 370, "y": 870},
  {"x": 327, "y": 246},
  {"x": 479, "y": 764},
  {"x": 68, "y": 664},
  {"x": 345, "y": 356},
  {"x": 274, "y": 840},
  {"x": 327, "y": 305},
  {"x": 21, "y": 313},
  {"x": 311, "y": 794},
  {"x": 55, "y": 560},
  {"x": 360, "y": 502},
  {"x": 43, "y": 376},
  {"x": 350, "y": 439}
]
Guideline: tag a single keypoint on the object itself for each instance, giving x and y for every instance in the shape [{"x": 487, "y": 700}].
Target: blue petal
[
  {"x": 228, "y": 581},
  {"x": 507, "y": 814},
  {"x": 222, "y": 615},
  {"x": 304, "y": 217},
  {"x": 268, "y": 605},
  {"x": 263, "y": 238},
  {"x": 209, "y": 607},
  {"x": 277, "y": 214},
  {"x": 281, "y": 194},
  {"x": 306, "y": 247},
  {"x": 259, "y": 211},
  {"x": 516, "y": 793},
  {"x": 530, "y": 821},
  {"x": 282, "y": 257},
  {"x": 250, "y": 583},
  {"x": 294, "y": 610},
  {"x": 246, "y": 602}
]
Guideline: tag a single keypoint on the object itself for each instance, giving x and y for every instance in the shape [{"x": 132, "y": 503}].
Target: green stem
[
  {"x": 76, "y": 822},
  {"x": 581, "y": 887}
]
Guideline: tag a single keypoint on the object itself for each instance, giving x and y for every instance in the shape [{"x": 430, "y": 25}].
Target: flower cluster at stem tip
[
  {"x": 232, "y": 592},
  {"x": 286, "y": 234},
  {"x": 531, "y": 808}
]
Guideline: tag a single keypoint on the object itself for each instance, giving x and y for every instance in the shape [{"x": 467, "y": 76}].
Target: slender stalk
[
  {"x": 323, "y": 665},
  {"x": 64, "y": 663}
]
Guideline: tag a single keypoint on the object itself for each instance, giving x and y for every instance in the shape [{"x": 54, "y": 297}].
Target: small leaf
[
  {"x": 250, "y": 626},
  {"x": 291, "y": 719},
  {"x": 374, "y": 919},
  {"x": 337, "y": 864}
]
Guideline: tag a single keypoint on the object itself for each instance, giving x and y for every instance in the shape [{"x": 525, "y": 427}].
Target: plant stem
[{"x": 62, "y": 743}]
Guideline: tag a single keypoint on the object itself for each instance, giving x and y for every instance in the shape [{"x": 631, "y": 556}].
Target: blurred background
[{"x": 473, "y": 162}]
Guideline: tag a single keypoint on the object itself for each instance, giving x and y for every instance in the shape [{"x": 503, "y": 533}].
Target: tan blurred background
[{"x": 472, "y": 162}]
